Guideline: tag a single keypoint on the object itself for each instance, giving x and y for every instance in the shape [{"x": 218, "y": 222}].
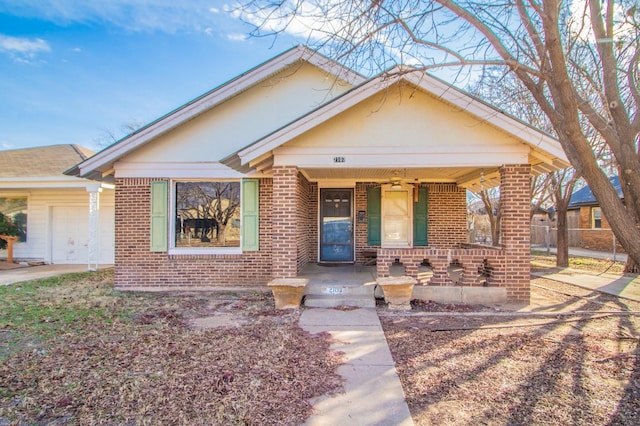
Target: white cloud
[
  {"x": 168, "y": 16},
  {"x": 236, "y": 37},
  {"x": 23, "y": 50}
]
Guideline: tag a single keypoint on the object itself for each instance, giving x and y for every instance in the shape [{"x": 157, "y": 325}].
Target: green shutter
[
  {"x": 250, "y": 215},
  {"x": 374, "y": 214},
  {"x": 159, "y": 215},
  {"x": 420, "y": 226}
]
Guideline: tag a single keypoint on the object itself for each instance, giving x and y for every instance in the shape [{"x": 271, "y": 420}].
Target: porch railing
[{"x": 479, "y": 263}]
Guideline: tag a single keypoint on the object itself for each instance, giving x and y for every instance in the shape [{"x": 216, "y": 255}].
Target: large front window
[
  {"x": 16, "y": 210},
  {"x": 207, "y": 214}
]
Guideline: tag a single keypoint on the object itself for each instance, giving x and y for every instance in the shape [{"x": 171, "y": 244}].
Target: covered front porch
[
  {"x": 401, "y": 155},
  {"x": 435, "y": 254}
]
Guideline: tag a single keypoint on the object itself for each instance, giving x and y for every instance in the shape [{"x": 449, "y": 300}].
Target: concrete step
[
  {"x": 333, "y": 289},
  {"x": 334, "y": 301}
]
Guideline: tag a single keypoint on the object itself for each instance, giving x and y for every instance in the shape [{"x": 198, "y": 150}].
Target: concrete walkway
[
  {"x": 373, "y": 393},
  {"x": 627, "y": 286},
  {"x": 29, "y": 273},
  {"x": 581, "y": 252}
]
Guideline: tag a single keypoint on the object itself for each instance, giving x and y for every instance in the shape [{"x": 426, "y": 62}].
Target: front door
[{"x": 336, "y": 225}]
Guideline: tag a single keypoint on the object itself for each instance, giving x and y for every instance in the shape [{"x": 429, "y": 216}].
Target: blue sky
[{"x": 72, "y": 71}]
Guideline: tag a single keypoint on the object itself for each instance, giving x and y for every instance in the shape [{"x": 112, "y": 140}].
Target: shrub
[{"x": 6, "y": 228}]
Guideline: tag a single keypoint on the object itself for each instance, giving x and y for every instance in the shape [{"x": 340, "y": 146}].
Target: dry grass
[
  {"x": 542, "y": 260},
  {"x": 73, "y": 351},
  {"x": 539, "y": 370}
]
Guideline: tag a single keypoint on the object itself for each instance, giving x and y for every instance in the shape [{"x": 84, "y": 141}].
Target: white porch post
[{"x": 93, "y": 244}]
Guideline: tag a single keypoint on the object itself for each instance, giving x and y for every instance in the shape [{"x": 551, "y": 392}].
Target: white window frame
[
  {"x": 593, "y": 217},
  {"x": 384, "y": 211},
  {"x": 173, "y": 250}
]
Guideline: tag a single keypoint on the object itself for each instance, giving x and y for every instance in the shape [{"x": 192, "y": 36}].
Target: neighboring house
[
  {"x": 52, "y": 210},
  {"x": 301, "y": 160},
  {"x": 595, "y": 232}
]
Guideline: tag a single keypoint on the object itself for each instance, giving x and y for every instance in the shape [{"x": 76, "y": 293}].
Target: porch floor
[{"x": 357, "y": 274}]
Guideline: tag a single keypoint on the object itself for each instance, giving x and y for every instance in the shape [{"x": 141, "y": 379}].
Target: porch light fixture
[
  {"x": 395, "y": 181},
  {"x": 395, "y": 184}
]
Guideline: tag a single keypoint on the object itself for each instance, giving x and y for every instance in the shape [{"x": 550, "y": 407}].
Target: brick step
[{"x": 334, "y": 301}]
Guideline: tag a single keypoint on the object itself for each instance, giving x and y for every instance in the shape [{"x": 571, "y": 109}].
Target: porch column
[
  {"x": 284, "y": 245},
  {"x": 93, "y": 245},
  {"x": 515, "y": 201}
]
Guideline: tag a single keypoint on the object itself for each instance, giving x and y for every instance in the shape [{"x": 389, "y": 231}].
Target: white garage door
[{"x": 70, "y": 235}]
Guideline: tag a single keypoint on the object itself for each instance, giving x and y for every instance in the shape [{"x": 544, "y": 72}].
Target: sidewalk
[
  {"x": 581, "y": 252},
  {"x": 373, "y": 393},
  {"x": 12, "y": 276},
  {"x": 627, "y": 286}
]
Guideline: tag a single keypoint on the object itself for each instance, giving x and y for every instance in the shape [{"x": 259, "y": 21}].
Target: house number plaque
[{"x": 339, "y": 160}]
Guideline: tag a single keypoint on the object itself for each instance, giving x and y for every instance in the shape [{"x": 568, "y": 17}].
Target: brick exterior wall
[
  {"x": 289, "y": 237},
  {"x": 515, "y": 198},
  {"x": 596, "y": 239},
  {"x": 447, "y": 215},
  {"x": 285, "y": 222},
  {"x": 137, "y": 266},
  {"x": 313, "y": 221},
  {"x": 361, "y": 229},
  {"x": 303, "y": 222}
]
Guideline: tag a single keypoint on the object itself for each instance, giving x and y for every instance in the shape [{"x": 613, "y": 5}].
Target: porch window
[
  {"x": 596, "y": 218},
  {"x": 207, "y": 214},
  {"x": 389, "y": 214},
  {"x": 16, "y": 210},
  {"x": 396, "y": 218}
]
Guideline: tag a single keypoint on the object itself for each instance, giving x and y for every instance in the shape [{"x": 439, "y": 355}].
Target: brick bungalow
[
  {"x": 301, "y": 160},
  {"x": 595, "y": 232}
]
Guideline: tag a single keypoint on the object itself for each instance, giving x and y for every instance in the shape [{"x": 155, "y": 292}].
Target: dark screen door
[{"x": 336, "y": 225}]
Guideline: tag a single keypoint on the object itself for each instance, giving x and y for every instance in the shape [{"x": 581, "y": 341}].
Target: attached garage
[
  {"x": 70, "y": 235},
  {"x": 53, "y": 209}
]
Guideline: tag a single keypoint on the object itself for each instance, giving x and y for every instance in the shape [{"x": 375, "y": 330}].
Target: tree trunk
[
  {"x": 220, "y": 233},
  {"x": 495, "y": 229},
  {"x": 631, "y": 266},
  {"x": 494, "y": 220},
  {"x": 562, "y": 256}
]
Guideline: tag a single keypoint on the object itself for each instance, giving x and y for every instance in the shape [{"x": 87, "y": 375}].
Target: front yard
[
  {"x": 503, "y": 369},
  {"x": 73, "y": 351}
]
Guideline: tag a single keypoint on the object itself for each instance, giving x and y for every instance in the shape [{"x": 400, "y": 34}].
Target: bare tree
[
  {"x": 108, "y": 137},
  {"x": 576, "y": 59},
  {"x": 491, "y": 200},
  {"x": 563, "y": 183}
]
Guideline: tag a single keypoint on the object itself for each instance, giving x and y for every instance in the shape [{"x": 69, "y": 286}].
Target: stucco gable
[
  {"x": 335, "y": 78},
  {"x": 236, "y": 122},
  {"x": 457, "y": 117}
]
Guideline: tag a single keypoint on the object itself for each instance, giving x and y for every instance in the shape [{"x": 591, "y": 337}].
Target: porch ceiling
[
  {"x": 471, "y": 178},
  {"x": 461, "y": 175}
]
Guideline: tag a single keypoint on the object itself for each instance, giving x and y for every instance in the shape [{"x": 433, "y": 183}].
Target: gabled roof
[
  {"x": 45, "y": 161},
  {"x": 584, "y": 196},
  {"x": 101, "y": 163},
  {"x": 545, "y": 147}
]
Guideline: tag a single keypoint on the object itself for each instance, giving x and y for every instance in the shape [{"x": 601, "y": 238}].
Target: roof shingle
[{"x": 44, "y": 161}]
